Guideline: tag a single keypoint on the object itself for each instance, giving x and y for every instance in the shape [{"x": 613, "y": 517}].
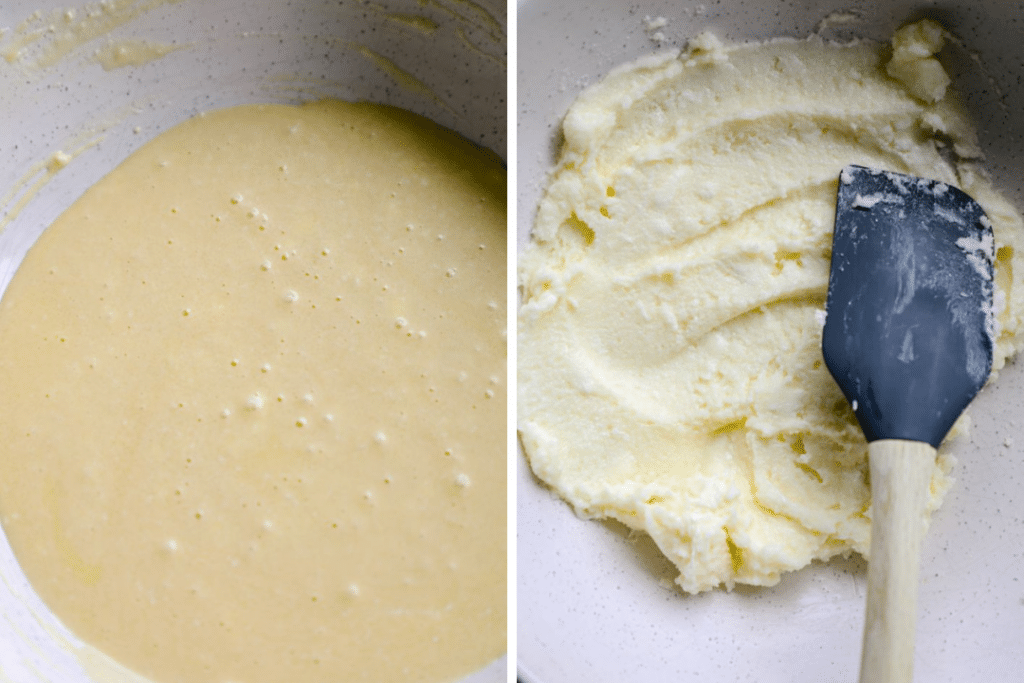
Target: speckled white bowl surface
[
  {"x": 448, "y": 65},
  {"x": 590, "y": 607}
]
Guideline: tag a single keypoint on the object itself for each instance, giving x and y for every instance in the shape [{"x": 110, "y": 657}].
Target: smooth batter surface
[
  {"x": 254, "y": 402},
  {"x": 670, "y": 372}
]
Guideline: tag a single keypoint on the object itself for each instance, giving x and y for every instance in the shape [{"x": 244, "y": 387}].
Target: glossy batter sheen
[
  {"x": 670, "y": 369},
  {"x": 253, "y": 417}
]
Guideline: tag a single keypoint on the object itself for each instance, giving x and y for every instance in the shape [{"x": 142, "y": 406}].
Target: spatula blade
[{"x": 909, "y": 324}]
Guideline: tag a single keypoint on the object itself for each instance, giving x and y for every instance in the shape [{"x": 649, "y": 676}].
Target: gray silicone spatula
[{"x": 908, "y": 338}]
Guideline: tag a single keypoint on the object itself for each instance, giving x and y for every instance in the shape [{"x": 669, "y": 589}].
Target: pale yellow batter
[
  {"x": 670, "y": 371},
  {"x": 253, "y": 413}
]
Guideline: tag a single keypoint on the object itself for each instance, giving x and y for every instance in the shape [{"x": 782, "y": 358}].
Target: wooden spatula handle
[{"x": 900, "y": 477}]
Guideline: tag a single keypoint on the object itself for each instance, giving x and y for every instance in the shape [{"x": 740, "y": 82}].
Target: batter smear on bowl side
[{"x": 669, "y": 363}]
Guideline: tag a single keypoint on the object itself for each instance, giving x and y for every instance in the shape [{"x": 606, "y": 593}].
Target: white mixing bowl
[
  {"x": 590, "y": 607},
  {"x": 82, "y": 85}
]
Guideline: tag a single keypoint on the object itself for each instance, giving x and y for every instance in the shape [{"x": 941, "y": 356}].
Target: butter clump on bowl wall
[{"x": 670, "y": 374}]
